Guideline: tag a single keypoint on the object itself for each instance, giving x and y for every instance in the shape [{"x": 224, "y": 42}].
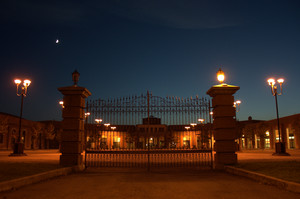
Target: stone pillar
[
  {"x": 73, "y": 125},
  {"x": 224, "y": 124}
]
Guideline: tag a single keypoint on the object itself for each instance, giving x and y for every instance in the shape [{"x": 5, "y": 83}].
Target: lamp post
[
  {"x": 187, "y": 143},
  {"x": 106, "y": 127},
  {"x": 193, "y": 135},
  {"x": 113, "y": 128},
  {"x": 86, "y": 115},
  {"x": 61, "y": 103},
  {"x": 236, "y": 105},
  {"x": 98, "y": 121},
  {"x": 201, "y": 120},
  {"x": 19, "y": 146},
  {"x": 279, "y": 146}
]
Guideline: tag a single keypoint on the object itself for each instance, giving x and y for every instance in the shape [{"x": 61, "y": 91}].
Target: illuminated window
[
  {"x": 186, "y": 142},
  {"x": 267, "y": 140},
  {"x": 267, "y": 143},
  {"x": 243, "y": 142},
  {"x": 258, "y": 142},
  {"x": 116, "y": 144},
  {"x": 292, "y": 140}
]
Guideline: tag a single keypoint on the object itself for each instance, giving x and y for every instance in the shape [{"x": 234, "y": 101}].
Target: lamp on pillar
[
  {"x": 224, "y": 124},
  {"x": 75, "y": 77},
  {"x": 220, "y": 76},
  {"x": 280, "y": 145}
]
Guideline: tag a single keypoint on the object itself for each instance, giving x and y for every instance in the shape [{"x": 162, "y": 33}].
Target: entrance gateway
[{"x": 148, "y": 131}]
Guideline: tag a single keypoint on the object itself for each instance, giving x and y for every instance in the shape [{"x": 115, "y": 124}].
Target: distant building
[
  {"x": 152, "y": 132},
  {"x": 251, "y": 134},
  {"x": 256, "y": 134},
  {"x": 35, "y": 135}
]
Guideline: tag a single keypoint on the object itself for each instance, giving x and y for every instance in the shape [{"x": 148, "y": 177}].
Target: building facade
[
  {"x": 35, "y": 135},
  {"x": 251, "y": 134},
  {"x": 152, "y": 133},
  {"x": 255, "y": 134}
]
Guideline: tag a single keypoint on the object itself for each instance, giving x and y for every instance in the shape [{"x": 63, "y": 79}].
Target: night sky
[{"x": 169, "y": 47}]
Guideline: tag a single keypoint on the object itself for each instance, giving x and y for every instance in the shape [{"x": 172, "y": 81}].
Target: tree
[
  {"x": 49, "y": 133},
  {"x": 296, "y": 126},
  {"x": 248, "y": 132},
  {"x": 4, "y": 129},
  {"x": 260, "y": 131},
  {"x": 3, "y": 124},
  {"x": 35, "y": 130}
]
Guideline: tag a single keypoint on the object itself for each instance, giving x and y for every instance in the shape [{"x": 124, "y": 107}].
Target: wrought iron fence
[
  {"x": 149, "y": 131},
  {"x": 149, "y": 158},
  {"x": 131, "y": 110}
]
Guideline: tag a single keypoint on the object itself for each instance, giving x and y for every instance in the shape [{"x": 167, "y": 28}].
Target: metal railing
[{"x": 144, "y": 158}]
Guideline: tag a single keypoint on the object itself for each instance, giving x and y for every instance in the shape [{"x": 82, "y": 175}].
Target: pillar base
[
  {"x": 18, "y": 149},
  {"x": 222, "y": 159},
  {"x": 280, "y": 149},
  {"x": 71, "y": 159}
]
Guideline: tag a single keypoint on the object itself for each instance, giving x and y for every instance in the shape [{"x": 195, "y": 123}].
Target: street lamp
[
  {"x": 19, "y": 146},
  {"x": 187, "y": 128},
  {"x": 236, "y": 105},
  {"x": 201, "y": 120},
  {"x": 98, "y": 121},
  {"x": 61, "y": 103},
  {"x": 86, "y": 115},
  {"x": 187, "y": 143},
  {"x": 193, "y": 124},
  {"x": 279, "y": 146},
  {"x": 116, "y": 140}
]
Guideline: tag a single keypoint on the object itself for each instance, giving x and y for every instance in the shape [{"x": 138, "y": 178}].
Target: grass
[
  {"x": 285, "y": 170},
  {"x": 14, "y": 170}
]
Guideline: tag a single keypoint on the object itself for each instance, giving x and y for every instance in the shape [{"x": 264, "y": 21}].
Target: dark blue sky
[{"x": 170, "y": 47}]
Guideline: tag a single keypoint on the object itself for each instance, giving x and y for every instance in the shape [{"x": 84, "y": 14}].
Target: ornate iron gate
[{"x": 148, "y": 131}]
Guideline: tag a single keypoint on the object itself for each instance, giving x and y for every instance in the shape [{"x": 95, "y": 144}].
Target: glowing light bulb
[
  {"x": 220, "y": 76},
  {"x": 271, "y": 81},
  {"x": 17, "y": 81}
]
